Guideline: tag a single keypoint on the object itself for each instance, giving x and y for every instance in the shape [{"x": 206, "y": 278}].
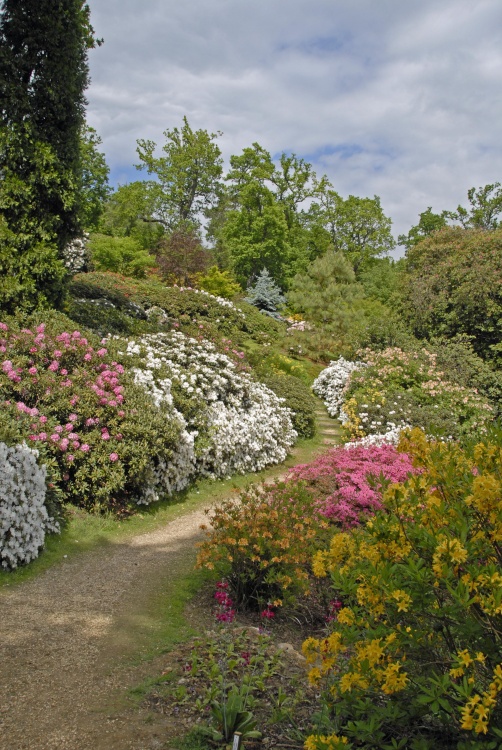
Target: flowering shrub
[
  {"x": 414, "y": 658},
  {"x": 332, "y": 383},
  {"x": 398, "y": 388},
  {"x": 239, "y": 425},
  {"x": 24, "y": 520},
  {"x": 263, "y": 542},
  {"x": 347, "y": 483},
  {"x": 69, "y": 395}
]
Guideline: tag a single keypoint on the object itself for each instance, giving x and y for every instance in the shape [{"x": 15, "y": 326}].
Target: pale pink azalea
[{"x": 114, "y": 457}]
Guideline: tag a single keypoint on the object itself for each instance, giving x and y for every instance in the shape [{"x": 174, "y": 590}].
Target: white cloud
[{"x": 396, "y": 99}]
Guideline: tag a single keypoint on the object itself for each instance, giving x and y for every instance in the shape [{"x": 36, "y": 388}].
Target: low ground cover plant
[{"x": 413, "y": 658}]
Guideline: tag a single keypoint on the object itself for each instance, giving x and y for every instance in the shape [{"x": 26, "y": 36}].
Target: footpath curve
[{"x": 64, "y": 635}]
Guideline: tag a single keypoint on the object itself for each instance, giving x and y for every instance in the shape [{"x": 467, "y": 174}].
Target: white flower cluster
[
  {"x": 245, "y": 425},
  {"x": 23, "y": 516},
  {"x": 220, "y": 300},
  {"x": 76, "y": 255},
  {"x": 391, "y": 436},
  {"x": 332, "y": 383}
]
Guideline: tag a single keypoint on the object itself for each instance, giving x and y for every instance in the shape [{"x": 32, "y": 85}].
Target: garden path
[{"x": 70, "y": 641}]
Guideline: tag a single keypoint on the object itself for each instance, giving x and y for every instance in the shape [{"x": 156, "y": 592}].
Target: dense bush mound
[
  {"x": 239, "y": 424},
  {"x": 68, "y": 394},
  {"x": 347, "y": 483},
  {"x": 193, "y": 311},
  {"x": 392, "y": 389},
  {"x": 452, "y": 285},
  {"x": 298, "y": 398},
  {"x": 24, "y": 520},
  {"x": 413, "y": 658}
]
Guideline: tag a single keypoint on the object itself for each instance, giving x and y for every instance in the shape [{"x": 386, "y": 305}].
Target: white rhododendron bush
[
  {"x": 390, "y": 390},
  {"x": 24, "y": 520},
  {"x": 234, "y": 423}
]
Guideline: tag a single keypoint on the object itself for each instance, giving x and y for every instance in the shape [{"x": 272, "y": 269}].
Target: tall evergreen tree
[{"x": 43, "y": 76}]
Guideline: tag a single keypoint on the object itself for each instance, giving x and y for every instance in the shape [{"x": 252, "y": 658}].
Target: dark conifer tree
[{"x": 43, "y": 77}]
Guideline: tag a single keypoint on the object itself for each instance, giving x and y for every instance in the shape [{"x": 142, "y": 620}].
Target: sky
[{"x": 395, "y": 98}]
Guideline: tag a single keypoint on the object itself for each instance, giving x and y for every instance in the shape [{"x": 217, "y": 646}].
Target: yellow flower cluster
[
  {"x": 476, "y": 712},
  {"x": 423, "y": 574},
  {"x": 322, "y": 742}
]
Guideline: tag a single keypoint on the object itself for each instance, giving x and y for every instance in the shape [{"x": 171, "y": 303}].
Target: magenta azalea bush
[{"x": 347, "y": 483}]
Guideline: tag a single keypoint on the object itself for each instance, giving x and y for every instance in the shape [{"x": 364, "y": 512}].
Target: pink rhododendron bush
[
  {"x": 67, "y": 394},
  {"x": 347, "y": 482}
]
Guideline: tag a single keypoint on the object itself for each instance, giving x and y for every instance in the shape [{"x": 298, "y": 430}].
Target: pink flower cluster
[
  {"x": 226, "y": 611},
  {"x": 50, "y": 365},
  {"x": 347, "y": 482}
]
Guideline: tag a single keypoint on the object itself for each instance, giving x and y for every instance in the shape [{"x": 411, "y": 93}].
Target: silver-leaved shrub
[{"x": 24, "y": 520}]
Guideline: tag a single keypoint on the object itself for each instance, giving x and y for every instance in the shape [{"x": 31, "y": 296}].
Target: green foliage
[
  {"x": 463, "y": 366},
  {"x": 328, "y": 294},
  {"x": 485, "y": 208},
  {"x": 265, "y": 294},
  {"x": 380, "y": 279},
  {"x": 262, "y": 543},
  {"x": 256, "y": 235},
  {"x": 429, "y": 223},
  {"x": 219, "y": 283},
  {"x": 452, "y": 286},
  {"x": 413, "y": 659},
  {"x": 93, "y": 179},
  {"x": 31, "y": 274},
  {"x": 119, "y": 254},
  {"x": 43, "y": 75},
  {"x": 187, "y": 175},
  {"x": 185, "y": 309},
  {"x": 298, "y": 398},
  {"x": 358, "y": 227},
  {"x": 129, "y": 212}
]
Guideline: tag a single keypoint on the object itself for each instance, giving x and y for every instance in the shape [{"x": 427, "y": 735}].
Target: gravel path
[
  {"x": 60, "y": 632},
  {"x": 65, "y": 637}
]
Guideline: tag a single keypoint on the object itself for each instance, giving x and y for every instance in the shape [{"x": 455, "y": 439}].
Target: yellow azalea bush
[
  {"x": 263, "y": 543},
  {"x": 414, "y": 659}
]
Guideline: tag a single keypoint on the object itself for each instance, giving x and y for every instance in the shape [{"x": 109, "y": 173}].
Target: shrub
[
  {"x": 71, "y": 396},
  {"x": 219, "y": 283},
  {"x": 347, "y": 483},
  {"x": 262, "y": 543},
  {"x": 398, "y": 388},
  {"x": 332, "y": 384},
  {"x": 24, "y": 519},
  {"x": 414, "y": 658},
  {"x": 120, "y": 255},
  {"x": 298, "y": 398},
  {"x": 191, "y": 310},
  {"x": 240, "y": 424}
]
